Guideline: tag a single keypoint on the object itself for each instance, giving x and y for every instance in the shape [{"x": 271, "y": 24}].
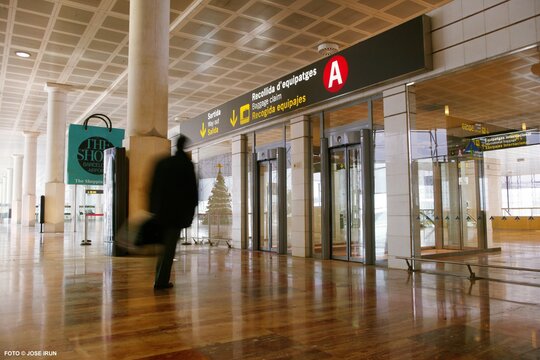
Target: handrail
[{"x": 531, "y": 208}]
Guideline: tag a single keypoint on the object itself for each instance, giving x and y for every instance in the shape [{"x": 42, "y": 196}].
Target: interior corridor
[{"x": 228, "y": 304}]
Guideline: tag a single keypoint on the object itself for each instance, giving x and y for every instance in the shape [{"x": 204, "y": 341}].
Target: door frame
[
  {"x": 279, "y": 156},
  {"x": 461, "y": 215},
  {"x": 362, "y": 138}
]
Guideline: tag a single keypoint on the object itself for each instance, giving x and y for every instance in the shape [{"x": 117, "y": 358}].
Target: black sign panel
[
  {"x": 510, "y": 140},
  {"x": 400, "y": 51},
  {"x": 93, "y": 191}
]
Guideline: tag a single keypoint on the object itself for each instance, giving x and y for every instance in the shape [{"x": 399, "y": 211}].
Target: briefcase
[{"x": 149, "y": 233}]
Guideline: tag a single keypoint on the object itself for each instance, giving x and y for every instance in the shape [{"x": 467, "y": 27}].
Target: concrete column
[
  {"x": 55, "y": 157},
  {"x": 9, "y": 185},
  {"x": 301, "y": 187},
  {"x": 3, "y": 190},
  {"x": 399, "y": 117},
  {"x": 239, "y": 193},
  {"x": 16, "y": 202},
  {"x": 28, "y": 215},
  {"x": 148, "y": 90}
]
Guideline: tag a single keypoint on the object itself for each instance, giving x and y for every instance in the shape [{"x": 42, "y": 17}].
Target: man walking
[{"x": 173, "y": 198}]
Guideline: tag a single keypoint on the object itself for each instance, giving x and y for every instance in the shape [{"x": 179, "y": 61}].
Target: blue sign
[{"x": 85, "y": 152}]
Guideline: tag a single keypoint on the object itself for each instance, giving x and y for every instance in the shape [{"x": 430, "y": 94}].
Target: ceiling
[{"x": 219, "y": 49}]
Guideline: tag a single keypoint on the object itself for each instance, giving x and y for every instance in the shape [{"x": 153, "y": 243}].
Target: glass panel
[
  {"x": 426, "y": 217},
  {"x": 274, "y": 215},
  {"x": 379, "y": 172},
  {"x": 489, "y": 131},
  {"x": 316, "y": 187},
  {"x": 512, "y": 180},
  {"x": 249, "y": 194},
  {"x": 450, "y": 205},
  {"x": 339, "y": 203},
  {"x": 288, "y": 185},
  {"x": 215, "y": 184},
  {"x": 469, "y": 203},
  {"x": 264, "y": 183},
  {"x": 355, "y": 203}
]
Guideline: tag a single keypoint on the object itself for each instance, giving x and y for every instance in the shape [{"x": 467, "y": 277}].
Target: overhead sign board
[
  {"x": 403, "y": 50},
  {"x": 509, "y": 140}
]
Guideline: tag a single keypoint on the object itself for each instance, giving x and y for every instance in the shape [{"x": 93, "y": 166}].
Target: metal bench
[
  {"x": 216, "y": 242},
  {"x": 472, "y": 275}
]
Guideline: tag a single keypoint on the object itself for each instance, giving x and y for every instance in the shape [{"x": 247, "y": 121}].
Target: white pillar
[
  {"x": 301, "y": 187},
  {"x": 239, "y": 193},
  {"x": 16, "y": 202},
  {"x": 399, "y": 116},
  {"x": 9, "y": 185},
  {"x": 148, "y": 66},
  {"x": 28, "y": 215},
  {"x": 3, "y": 191},
  {"x": 148, "y": 90},
  {"x": 55, "y": 157}
]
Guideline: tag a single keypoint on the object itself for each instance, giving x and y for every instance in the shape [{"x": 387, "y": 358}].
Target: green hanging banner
[{"x": 85, "y": 150}]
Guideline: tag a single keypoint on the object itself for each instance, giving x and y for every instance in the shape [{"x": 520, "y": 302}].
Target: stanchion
[
  {"x": 41, "y": 212},
  {"x": 87, "y": 241}
]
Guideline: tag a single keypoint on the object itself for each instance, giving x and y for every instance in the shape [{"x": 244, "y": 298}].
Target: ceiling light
[
  {"x": 22, "y": 54},
  {"x": 446, "y": 110},
  {"x": 523, "y": 126},
  {"x": 328, "y": 48}
]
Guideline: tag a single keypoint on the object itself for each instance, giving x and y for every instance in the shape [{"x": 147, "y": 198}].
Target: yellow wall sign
[
  {"x": 233, "y": 119},
  {"x": 245, "y": 114},
  {"x": 203, "y": 130},
  {"x": 474, "y": 128}
]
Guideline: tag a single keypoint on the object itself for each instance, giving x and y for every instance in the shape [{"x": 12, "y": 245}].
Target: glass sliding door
[
  {"x": 451, "y": 214},
  {"x": 338, "y": 181},
  {"x": 268, "y": 196},
  {"x": 347, "y": 241},
  {"x": 470, "y": 203},
  {"x": 461, "y": 208},
  {"x": 356, "y": 247}
]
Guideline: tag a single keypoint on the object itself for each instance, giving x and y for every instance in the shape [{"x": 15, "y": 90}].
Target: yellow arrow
[
  {"x": 203, "y": 130},
  {"x": 233, "y": 119}
]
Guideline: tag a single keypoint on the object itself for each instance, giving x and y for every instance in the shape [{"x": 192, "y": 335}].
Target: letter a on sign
[{"x": 335, "y": 73}]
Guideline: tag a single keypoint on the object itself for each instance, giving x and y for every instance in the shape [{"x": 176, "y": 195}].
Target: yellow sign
[
  {"x": 233, "y": 119},
  {"x": 93, "y": 191},
  {"x": 474, "y": 128},
  {"x": 244, "y": 114},
  {"x": 203, "y": 130}
]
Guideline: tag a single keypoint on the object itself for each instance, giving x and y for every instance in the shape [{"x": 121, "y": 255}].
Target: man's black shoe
[{"x": 166, "y": 286}]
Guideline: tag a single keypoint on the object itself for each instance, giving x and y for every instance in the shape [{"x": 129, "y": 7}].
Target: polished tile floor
[{"x": 75, "y": 302}]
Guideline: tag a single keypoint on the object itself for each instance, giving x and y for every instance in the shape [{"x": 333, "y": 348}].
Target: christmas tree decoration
[{"x": 219, "y": 207}]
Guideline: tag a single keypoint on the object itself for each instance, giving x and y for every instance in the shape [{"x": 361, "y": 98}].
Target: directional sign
[{"x": 398, "y": 52}]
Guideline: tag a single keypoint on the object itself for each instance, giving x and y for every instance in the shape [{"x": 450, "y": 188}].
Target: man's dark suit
[{"x": 173, "y": 198}]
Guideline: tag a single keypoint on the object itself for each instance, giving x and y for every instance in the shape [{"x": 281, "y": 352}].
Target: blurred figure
[{"x": 173, "y": 198}]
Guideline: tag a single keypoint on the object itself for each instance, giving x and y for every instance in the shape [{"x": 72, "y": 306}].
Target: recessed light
[{"x": 22, "y": 54}]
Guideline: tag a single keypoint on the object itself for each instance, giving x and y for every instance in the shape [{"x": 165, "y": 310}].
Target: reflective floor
[{"x": 75, "y": 302}]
